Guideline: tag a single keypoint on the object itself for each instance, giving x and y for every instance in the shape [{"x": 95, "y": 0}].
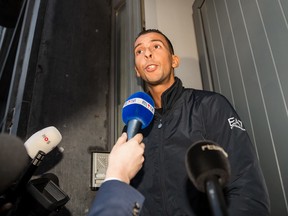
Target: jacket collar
[{"x": 170, "y": 96}]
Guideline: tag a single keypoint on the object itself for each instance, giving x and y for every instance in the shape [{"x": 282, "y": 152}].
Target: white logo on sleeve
[{"x": 233, "y": 122}]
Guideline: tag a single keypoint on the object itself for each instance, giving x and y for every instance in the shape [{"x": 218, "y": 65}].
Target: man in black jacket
[{"x": 182, "y": 117}]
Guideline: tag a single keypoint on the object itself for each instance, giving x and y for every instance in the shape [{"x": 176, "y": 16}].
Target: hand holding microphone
[{"x": 126, "y": 158}]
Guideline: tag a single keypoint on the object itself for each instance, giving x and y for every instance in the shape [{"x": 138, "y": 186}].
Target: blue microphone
[{"x": 138, "y": 111}]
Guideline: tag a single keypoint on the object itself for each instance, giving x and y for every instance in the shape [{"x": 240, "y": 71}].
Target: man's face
[{"x": 154, "y": 63}]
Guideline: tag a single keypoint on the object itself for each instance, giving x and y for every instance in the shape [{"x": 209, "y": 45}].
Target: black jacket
[{"x": 189, "y": 115}]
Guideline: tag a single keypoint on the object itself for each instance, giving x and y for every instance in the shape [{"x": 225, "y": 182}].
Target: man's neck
[{"x": 157, "y": 91}]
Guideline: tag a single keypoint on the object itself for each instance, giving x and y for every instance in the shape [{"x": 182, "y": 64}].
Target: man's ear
[
  {"x": 175, "y": 61},
  {"x": 137, "y": 73}
]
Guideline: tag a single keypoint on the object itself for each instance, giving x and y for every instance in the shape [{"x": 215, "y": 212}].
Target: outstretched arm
[{"x": 115, "y": 196}]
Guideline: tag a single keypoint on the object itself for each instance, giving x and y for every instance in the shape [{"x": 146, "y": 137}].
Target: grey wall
[
  {"x": 71, "y": 91},
  {"x": 243, "y": 54}
]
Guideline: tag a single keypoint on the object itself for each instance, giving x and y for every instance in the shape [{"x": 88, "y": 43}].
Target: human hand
[{"x": 126, "y": 158}]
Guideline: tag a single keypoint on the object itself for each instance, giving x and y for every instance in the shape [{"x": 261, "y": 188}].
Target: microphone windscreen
[
  {"x": 13, "y": 160},
  {"x": 205, "y": 159},
  {"x": 44, "y": 140},
  {"x": 139, "y": 106}
]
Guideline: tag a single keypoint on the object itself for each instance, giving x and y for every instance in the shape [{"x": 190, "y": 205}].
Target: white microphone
[
  {"x": 44, "y": 140},
  {"x": 37, "y": 146}
]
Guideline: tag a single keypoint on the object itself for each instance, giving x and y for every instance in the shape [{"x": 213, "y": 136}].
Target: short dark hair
[{"x": 146, "y": 31}]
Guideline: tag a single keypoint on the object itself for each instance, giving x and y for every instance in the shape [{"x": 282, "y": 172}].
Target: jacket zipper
[
  {"x": 160, "y": 124},
  {"x": 162, "y": 168}
]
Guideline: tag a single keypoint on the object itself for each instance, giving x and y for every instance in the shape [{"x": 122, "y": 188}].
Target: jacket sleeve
[
  {"x": 246, "y": 192},
  {"x": 116, "y": 198}
]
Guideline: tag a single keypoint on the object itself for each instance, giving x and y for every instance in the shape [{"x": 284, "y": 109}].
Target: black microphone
[
  {"x": 43, "y": 196},
  {"x": 208, "y": 168},
  {"x": 37, "y": 146},
  {"x": 13, "y": 160},
  {"x": 138, "y": 111},
  {"x": 28, "y": 173}
]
